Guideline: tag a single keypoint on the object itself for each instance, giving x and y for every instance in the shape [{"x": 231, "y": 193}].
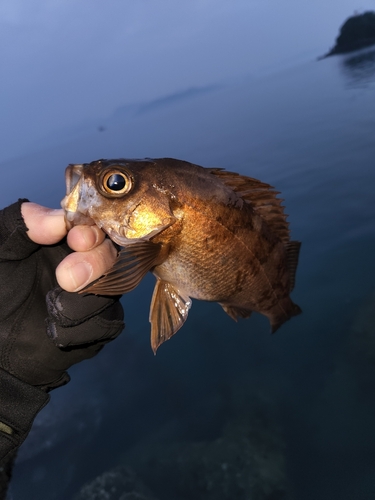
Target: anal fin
[
  {"x": 131, "y": 265},
  {"x": 168, "y": 312},
  {"x": 235, "y": 312}
]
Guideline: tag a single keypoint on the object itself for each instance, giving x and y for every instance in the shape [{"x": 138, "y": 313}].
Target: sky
[{"x": 64, "y": 62}]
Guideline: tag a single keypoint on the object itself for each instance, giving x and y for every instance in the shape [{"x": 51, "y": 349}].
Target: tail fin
[
  {"x": 277, "y": 321},
  {"x": 292, "y": 253}
]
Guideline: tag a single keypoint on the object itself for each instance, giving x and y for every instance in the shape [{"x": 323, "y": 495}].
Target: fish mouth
[
  {"x": 73, "y": 173},
  {"x": 70, "y": 204}
]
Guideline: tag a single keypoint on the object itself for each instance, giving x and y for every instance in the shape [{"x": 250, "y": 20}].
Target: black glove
[{"x": 43, "y": 329}]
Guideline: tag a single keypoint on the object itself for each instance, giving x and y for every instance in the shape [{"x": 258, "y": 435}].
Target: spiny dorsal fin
[
  {"x": 292, "y": 252},
  {"x": 261, "y": 196}
]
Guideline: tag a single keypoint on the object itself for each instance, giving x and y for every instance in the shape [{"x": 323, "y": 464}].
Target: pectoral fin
[
  {"x": 132, "y": 263},
  {"x": 169, "y": 311}
]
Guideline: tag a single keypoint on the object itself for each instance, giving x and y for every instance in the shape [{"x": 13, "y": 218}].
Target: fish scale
[{"x": 210, "y": 277}]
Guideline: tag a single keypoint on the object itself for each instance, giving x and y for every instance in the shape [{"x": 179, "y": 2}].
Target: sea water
[{"x": 310, "y": 132}]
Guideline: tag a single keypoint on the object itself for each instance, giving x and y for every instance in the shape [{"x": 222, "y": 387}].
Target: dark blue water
[{"x": 310, "y": 132}]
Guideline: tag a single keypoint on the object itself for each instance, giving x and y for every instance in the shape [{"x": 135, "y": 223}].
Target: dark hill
[{"x": 356, "y": 33}]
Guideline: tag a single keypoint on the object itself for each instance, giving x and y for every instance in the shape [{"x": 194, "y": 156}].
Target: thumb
[{"x": 45, "y": 225}]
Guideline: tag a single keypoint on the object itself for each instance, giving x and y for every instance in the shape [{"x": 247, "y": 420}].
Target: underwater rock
[
  {"x": 246, "y": 462},
  {"x": 356, "y": 33},
  {"x": 359, "y": 353},
  {"x": 341, "y": 420},
  {"x": 356, "y": 359},
  {"x": 120, "y": 483},
  {"x": 347, "y": 405}
]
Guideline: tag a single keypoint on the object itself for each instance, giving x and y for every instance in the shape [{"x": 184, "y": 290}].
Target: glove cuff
[{"x": 19, "y": 405}]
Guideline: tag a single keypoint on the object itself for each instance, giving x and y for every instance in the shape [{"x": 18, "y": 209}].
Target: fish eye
[{"x": 116, "y": 182}]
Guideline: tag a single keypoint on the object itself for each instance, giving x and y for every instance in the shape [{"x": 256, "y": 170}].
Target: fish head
[{"x": 122, "y": 197}]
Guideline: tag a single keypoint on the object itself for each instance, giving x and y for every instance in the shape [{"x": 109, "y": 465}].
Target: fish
[{"x": 205, "y": 233}]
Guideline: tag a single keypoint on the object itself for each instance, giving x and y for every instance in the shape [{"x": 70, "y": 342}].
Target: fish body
[{"x": 205, "y": 233}]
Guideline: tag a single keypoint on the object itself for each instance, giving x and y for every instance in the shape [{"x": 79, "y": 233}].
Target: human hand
[
  {"x": 93, "y": 254},
  {"x": 44, "y": 329},
  {"x": 79, "y": 325}
]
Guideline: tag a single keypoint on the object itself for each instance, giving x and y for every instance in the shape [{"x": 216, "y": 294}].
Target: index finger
[{"x": 83, "y": 238}]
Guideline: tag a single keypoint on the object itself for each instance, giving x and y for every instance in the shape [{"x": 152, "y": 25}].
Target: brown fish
[{"x": 205, "y": 233}]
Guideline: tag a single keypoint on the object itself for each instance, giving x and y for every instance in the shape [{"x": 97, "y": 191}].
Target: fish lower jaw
[{"x": 75, "y": 219}]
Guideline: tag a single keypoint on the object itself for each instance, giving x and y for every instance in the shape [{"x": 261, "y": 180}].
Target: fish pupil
[{"x": 116, "y": 182}]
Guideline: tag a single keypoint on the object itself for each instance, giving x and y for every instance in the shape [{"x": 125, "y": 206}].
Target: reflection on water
[
  {"x": 360, "y": 68},
  {"x": 295, "y": 408}
]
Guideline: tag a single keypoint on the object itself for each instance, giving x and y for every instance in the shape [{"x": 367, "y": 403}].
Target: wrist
[{"x": 19, "y": 405}]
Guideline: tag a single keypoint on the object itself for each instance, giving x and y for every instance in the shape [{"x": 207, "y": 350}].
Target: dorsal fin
[{"x": 261, "y": 196}]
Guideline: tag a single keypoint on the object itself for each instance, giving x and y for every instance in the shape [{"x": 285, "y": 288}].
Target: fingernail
[
  {"x": 56, "y": 211},
  {"x": 80, "y": 275}
]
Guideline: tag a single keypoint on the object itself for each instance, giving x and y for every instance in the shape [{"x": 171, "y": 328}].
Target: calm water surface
[{"x": 310, "y": 132}]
